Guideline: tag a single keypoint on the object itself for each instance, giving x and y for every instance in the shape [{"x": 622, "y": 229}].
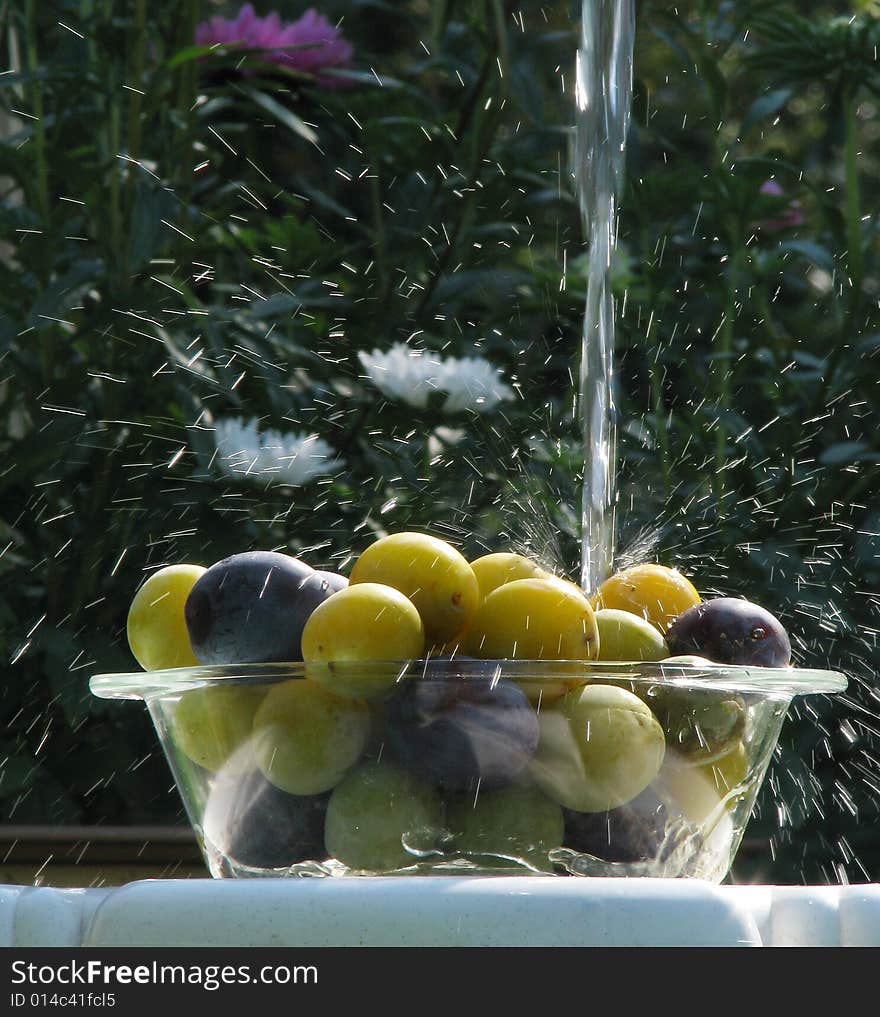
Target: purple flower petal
[
  {"x": 311, "y": 44},
  {"x": 789, "y": 217}
]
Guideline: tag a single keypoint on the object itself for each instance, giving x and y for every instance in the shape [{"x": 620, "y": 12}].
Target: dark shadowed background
[{"x": 190, "y": 238}]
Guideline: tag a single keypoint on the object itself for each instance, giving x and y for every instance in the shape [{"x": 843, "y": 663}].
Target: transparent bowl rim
[{"x": 776, "y": 682}]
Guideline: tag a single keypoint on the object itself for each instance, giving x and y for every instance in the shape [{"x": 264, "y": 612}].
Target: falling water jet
[{"x": 603, "y": 96}]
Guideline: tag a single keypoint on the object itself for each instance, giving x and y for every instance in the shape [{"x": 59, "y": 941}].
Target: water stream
[{"x": 604, "y": 89}]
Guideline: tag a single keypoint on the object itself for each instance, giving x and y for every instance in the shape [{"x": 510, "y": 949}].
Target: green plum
[
  {"x": 305, "y": 738},
  {"x": 598, "y": 748},
  {"x": 431, "y": 572},
  {"x": 625, "y": 636},
  {"x": 702, "y": 724},
  {"x": 517, "y": 822},
  {"x": 156, "y": 624},
  {"x": 354, "y": 629},
  {"x": 211, "y": 723},
  {"x": 700, "y": 791},
  {"x": 494, "y": 570},
  {"x": 381, "y": 817}
]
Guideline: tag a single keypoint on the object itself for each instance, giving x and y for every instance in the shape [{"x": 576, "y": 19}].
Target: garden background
[{"x": 202, "y": 244}]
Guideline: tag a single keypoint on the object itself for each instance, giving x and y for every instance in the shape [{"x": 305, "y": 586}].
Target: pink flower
[
  {"x": 311, "y": 44},
  {"x": 788, "y": 217}
]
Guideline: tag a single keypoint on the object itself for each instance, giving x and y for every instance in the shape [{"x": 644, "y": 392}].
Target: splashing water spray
[
  {"x": 603, "y": 96},
  {"x": 603, "y": 100}
]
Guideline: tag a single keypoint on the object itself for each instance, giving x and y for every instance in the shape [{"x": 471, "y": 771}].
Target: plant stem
[
  {"x": 115, "y": 200},
  {"x": 439, "y": 17},
  {"x": 136, "y": 69},
  {"x": 780, "y": 343},
  {"x": 35, "y": 89},
  {"x": 853, "y": 223},
  {"x": 724, "y": 370},
  {"x": 499, "y": 12},
  {"x": 467, "y": 210},
  {"x": 379, "y": 243},
  {"x": 656, "y": 384},
  {"x": 853, "y": 207},
  {"x": 41, "y": 178},
  {"x": 188, "y": 71},
  {"x": 484, "y": 135},
  {"x": 660, "y": 421}
]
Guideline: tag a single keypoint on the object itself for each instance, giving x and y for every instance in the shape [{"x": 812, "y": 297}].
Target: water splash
[{"x": 603, "y": 96}]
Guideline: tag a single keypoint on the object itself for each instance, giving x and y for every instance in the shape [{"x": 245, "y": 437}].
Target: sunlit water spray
[
  {"x": 604, "y": 90},
  {"x": 604, "y": 73},
  {"x": 603, "y": 97}
]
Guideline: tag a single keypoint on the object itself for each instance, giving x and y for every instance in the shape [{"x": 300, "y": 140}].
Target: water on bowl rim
[{"x": 775, "y": 682}]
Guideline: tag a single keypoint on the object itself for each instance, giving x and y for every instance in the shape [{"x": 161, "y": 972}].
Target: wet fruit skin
[
  {"x": 624, "y": 636},
  {"x": 432, "y": 573},
  {"x": 210, "y": 724},
  {"x": 459, "y": 732},
  {"x": 252, "y": 607},
  {"x": 634, "y": 832},
  {"x": 156, "y": 625},
  {"x": 599, "y": 747},
  {"x": 515, "y": 823},
  {"x": 655, "y": 592},
  {"x": 534, "y": 619},
  {"x": 377, "y": 812},
  {"x": 361, "y": 623},
  {"x": 254, "y": 823},
  {"x": 699, "y": 724},
  {"x": 334, "y": 580},
  {"x": 728, "y": 630},
  {"x": 494, "y": 570},
  {"x": 698, "y": 791},
  {"x": 306, "y": 738}
]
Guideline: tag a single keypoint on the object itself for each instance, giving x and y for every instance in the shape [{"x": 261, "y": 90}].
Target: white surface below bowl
[{"x": 439, "y": 911}]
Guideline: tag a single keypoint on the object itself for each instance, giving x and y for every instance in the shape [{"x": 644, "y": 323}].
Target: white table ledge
[{"x": 439, "y": 911}]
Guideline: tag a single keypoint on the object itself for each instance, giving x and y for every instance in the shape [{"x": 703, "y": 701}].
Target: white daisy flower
[
  {"x": 410, "y": 376},
  {"x": 292, "y": 459},
  {"x": 404, "y": 374},
  {"x": 473, "y": 383}
]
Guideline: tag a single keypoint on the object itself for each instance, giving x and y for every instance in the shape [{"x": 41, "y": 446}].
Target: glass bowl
[{"x": 463, "y": 766}]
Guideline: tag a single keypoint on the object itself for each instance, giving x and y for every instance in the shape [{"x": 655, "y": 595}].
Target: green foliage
[
  {"x": 746, "y": 337},
  {"x": 189, "y": 243},
  {"x": 797, "y": 49}
]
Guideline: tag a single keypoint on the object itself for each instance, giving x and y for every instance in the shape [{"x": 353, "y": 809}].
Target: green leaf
[
  {"x": 64, "y": 292},
  {"x": 525, "y": 89},
  {"x": 70, "y": 691},
  {"x": 809, "y": 360},
  {"x": 8, "y": 80},
  {"x": 870, "y": 344},
  {"x": 765, "y": 106},
  {"x": 866, "y": 545},
  {"x": 323, "y": 200},
  {"x": 795, "y": 49},
  {"x": 846, "y": 452},
  {"x": 16, "y": 774},
  {"x": 673, "y": 43},
  {"x": 820, "y": 256},
  {"x": 184, "y": 56},
  {"x": 282, "y": 114},
  {"x": 479, "y": 285},
  {"x": 363, "y": 77},
  {"x": 16, "y": 164},
  {"x": 698, "y": 55},
  {"x": 152, "y": 204}
]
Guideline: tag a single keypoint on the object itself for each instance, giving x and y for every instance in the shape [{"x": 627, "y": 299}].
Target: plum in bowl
[{"x": 487, "y": 767}]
